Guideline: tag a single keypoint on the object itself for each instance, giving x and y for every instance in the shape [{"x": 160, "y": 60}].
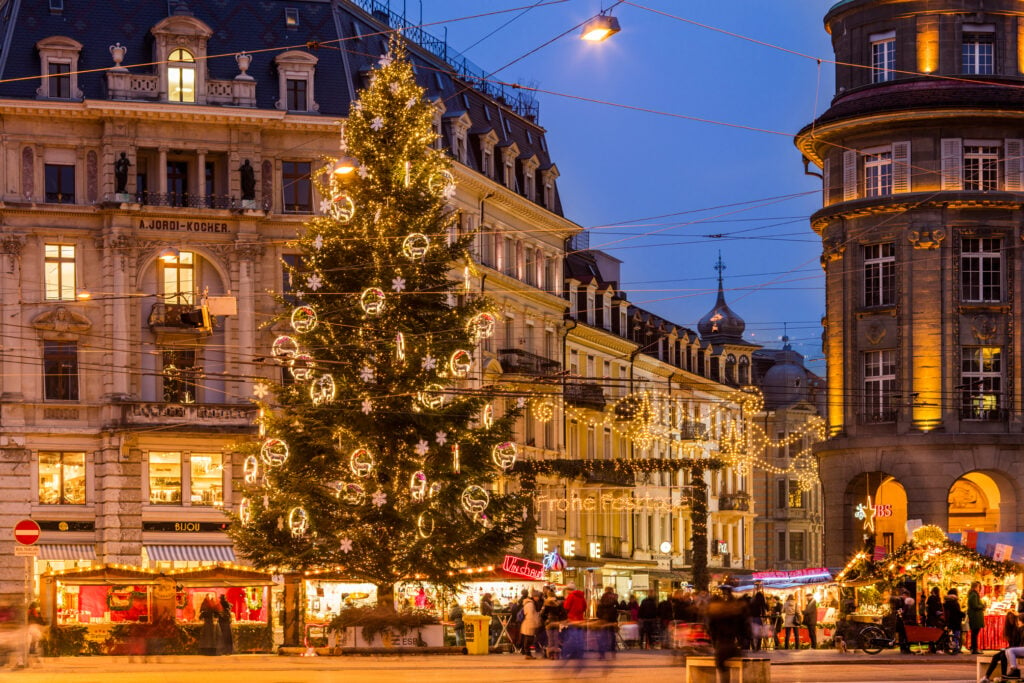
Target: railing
[
  {"x": 691, "y": 430},
  {"x": 585, "y": 395},
  {"x": 124, "y": 85},
  {"x": 521, "y": 102},
  {"x": 192, "y": 201},
  {"x": 182, "y": 317},
  {"x": 60, "y": 198},
  {"x": 520, "y": 362},
  {"x": 877, "y": 417},
  {"x": 739, "y": 501},
  {"x": 984, "y": 414}
]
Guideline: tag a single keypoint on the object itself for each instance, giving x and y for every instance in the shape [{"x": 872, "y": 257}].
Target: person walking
[
  {"x": 975, "y": 615},
  {"x": 758, "y": 613},
  {"x": 647, "y": 615},
  {"x": 727, "y": 626},
  {"x": 954, "y": 615},
  {"x": 575, "y": 605},
  {"x": 530, "y": 624},
  {"x": 458, "y": 625},
  {"x": 790, "y": 622},
  {"x": 608, "y": 613},
  {"x": 227, "y": 643},
  {"x": 810, "y": 614},
  {"x": 209, "y": 611},
  {"x": 933, "y": 608},
  {"x": 775, "y": 619}
]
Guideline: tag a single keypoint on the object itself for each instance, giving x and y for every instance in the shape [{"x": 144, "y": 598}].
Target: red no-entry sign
[{"x": 26, "y": 532}]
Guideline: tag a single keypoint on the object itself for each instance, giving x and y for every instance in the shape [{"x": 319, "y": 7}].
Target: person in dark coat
[
  {"x": 209, "y": 611},
  {"x": 975, "y": 615},
  {"x": 810, "y": 614},
  {"x": 758, "y": 614},
  {"x": 953, "y": 613},
  {"x": 933, "y": 608},
  {"x": 227, "y": 644},
  {"x": 648, "y": 618},
  {"x": 728, "y": 625}
]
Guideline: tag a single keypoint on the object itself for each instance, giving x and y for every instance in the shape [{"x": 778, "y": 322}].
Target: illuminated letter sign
[{"x": 519, "y": 566}]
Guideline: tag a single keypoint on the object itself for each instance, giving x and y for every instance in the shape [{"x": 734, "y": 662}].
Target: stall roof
[{"x": 106, "y": 575}]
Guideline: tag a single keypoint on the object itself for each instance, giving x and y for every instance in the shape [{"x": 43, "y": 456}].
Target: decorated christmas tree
[{"x": 382, "y": 457}]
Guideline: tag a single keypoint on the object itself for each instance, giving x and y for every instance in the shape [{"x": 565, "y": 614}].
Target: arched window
[
  {"x": 744, "y": 370},
  {"x": 181, "y": 76},
  {"x": 730, "y": 369}
]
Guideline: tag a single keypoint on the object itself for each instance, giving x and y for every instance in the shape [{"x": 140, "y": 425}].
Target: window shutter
[
  {"x": 1014, "y": 148},
  {"x": 900, "y": 167},
  {"x": 826, "y": 183},
  {"x": 849, "y": 175},
  {"x": 952, "y": 154}
]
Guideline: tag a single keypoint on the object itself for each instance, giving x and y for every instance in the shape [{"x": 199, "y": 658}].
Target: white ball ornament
[
  {"x": 274, "y": 452},
  {"x": 504, "y": 455},
  {"x": 304, "y": 319},
  {"x": 414, "y": 247},
  {"x": 372, "y": 301}
]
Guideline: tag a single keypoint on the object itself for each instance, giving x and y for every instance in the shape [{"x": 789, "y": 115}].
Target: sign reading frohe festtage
[{"x": 175, "y": 225}]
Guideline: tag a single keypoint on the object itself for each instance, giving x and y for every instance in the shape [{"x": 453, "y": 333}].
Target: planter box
[{"x": 424, "y": 636}]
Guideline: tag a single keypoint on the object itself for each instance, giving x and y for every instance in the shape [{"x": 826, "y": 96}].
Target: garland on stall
[
  {"x": 577, "y": 469},
  {"x": 120, "y": 598},
  {"x": 911, "y": 560},
  {"x": 253, "y": 598}
]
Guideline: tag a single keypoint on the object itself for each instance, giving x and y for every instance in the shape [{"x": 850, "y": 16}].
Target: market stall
[{"x": 817, "y": 582}]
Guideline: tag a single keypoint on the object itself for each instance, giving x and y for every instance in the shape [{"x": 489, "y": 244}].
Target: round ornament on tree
[
  {"x": 414, "y": 247},
  {"x": 372, "y": 301}
]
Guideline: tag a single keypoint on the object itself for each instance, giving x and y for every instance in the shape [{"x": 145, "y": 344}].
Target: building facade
[
  {"x": 152, "y": 178},
  {"x": 920, "y": 155}
]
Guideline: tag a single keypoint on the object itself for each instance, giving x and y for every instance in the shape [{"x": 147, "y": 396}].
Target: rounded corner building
[{"x": 923, "y": 182}]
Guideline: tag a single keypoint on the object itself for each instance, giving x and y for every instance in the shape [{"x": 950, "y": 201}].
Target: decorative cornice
[
  {"x": 61, "y": 324},
  {"x": 537, "y": 216},
  {"x": 926, "y": 239}
]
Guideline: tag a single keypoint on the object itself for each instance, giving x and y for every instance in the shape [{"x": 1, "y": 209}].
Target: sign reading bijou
[{"x": 173, "y": 225}]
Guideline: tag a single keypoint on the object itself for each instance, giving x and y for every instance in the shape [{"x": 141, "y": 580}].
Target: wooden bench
[{"x": 738, "y": 670}]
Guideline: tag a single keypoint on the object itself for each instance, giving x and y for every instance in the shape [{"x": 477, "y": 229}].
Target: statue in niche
[
  {"x": 248, "y": 174},
  {"x": 121, "y": 174}
]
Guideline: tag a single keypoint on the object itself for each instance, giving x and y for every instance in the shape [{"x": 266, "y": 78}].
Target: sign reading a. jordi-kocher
[{"x": 26, "y": 532}]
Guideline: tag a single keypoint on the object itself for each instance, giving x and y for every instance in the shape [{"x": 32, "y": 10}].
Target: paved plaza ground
[{"x": 821, "y": 666}]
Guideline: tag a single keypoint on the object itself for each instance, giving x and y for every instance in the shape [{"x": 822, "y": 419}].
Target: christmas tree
[{"x": 381, "y": 459}]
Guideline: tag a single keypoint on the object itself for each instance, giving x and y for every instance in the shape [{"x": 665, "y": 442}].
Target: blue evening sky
[{"x": 730, "y": 189}]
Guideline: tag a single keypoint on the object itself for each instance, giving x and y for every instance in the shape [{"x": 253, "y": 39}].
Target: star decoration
[
  {"x": 260, "y": 390},
  {"x": 379, "y": 498},
  {"x": 345, "y": 545},
  {"x": 367, "y": 406},
  {"x": 398, "y": 284},
  {"x": 421, "y": 448},
  {"x": 520, "y": 402},
  {"x": 377, "y": 123},
  {"x": 429, "y": 362},
  {"x": 318, "y": 243},
  {"x": 363, "y": 171},
  {"x": 441, "y": 438},
  {"x": 395, "y": 88},
  {"x": 411, "y": 102},
  {"x": 366, "y": 373},
  {"x": 314, "y": 282},
  {"x": 385, "y": 59}
]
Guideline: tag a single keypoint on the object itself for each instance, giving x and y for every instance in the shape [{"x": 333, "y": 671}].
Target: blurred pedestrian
[
  {"x": 227, "y": 643},
  {"x": 209, "y": 638}
]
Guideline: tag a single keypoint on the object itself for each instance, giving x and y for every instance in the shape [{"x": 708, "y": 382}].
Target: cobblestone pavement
[{"x": 628, "y": 667}]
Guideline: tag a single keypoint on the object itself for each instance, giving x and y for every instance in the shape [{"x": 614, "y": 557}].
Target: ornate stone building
[
  {"x": 139, "y": 260},
  {"x": 920, "y": 155}
]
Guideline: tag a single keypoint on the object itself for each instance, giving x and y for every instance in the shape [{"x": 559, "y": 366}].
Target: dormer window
[
  {"x": 58, "y": 57},
  {"x": 487, "y": 142},
  {"x": 295, "y": 70},
  {"x": 459, "y": 124},
  {"x": 291, "y": 17},
  {"x": 181, "y": 77}
]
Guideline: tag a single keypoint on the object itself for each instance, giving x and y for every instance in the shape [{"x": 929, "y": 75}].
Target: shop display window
[
  {"x": 164, "y": 478},
  {"x": 61, "y": 478},
  {"x": 102, "y": 604},
  {"x": 207, "y": 480}
]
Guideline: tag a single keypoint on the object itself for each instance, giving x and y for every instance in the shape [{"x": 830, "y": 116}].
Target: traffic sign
[
  {"x": 26, "y": 532},
  {"x": 26, "y": 551}
]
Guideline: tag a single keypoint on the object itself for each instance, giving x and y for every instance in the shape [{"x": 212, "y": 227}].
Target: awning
[
  {"x": 190, "y": 553},
  {"x": 67, "y": 551}
]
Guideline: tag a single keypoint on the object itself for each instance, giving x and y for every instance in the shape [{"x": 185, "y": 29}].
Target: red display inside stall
[
  {"x": 122, "y": 603},
  {"x": 247, "y": 604}
]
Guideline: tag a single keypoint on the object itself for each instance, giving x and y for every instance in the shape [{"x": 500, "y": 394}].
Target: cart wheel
[{"x": 870, "y": 639}]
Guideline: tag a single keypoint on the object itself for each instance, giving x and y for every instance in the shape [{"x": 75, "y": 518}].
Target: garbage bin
[{"x": 477, "y": 633}]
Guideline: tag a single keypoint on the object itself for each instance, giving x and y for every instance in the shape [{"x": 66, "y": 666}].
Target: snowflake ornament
[
  {"x": 398, "y": 284},
  {"x": 520, "y": 402},
  {"x": 429, "y": 362},
  {"x": 314, "y": 282},
  {"x": 345, "y": 545},
  {"x": 366, "y": 373},
  {"x": 325, "y": 205},
  {"x": 385, "y": 59},
  {"x": 318, "y": 243},
  {"x": 377, "y": 123},
  {"x": 380, "y": 498},
  {"x": 357, "y": 106},
  {"x": 411, "y": 102},
  {"x": 422, "y": 448},
  {"x": 395, "y": 88},
  {"x": 363, "y": 171},
  {"x": 260, "y": 390},
  {"x": 367, "y": 406},
  {"x": 441, "y": 438}
]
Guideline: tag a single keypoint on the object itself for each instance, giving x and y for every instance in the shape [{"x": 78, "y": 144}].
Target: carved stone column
[
  {"x": 161, "y": 172},
  {"x": 248, "y": 250},
  {"x": 10, "y": 320}
]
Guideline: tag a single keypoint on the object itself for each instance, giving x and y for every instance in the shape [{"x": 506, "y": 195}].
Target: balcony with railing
[
  {"x": 124, "y": 85},
  {"x": 738, "y": 502},
  {"x": 176, "y": 322},
  {"x": 691, "y": 430},
  {"x": 520, "y": 362},
  {"x": 585, "y": 395},
  {"x": 877, "y": 416}
]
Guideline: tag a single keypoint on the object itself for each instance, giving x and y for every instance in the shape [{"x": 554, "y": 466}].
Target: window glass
[
  {"x": 880, "y": 274},
  {"x": 61, "y": 478},
  {"x": 60, "y": 371},
  {"x": 298, "y": 191},
  {"x": 981, "y": 269},
  {"x": 879, "y": 385},
  {"x": 165, "y": 478},
  {"x": 180, "y": 374},
  {"x": 207, "y": 479},
  {"x": 883, "y": 60},
  {"x": 296, "y": 94},
  {"x": 981, "y": 382},
  {"x": 178, "y": 279},
  {"x": 796, "y": 496},
  {"x": 978, "y": 51},
  {"x": 796, "y": 547},
  {"x": 59, "y": 272},
  {"x": 59, "y": 82},
  {"x": 981, "y": 167},
  {"x": 878, "y": 174},
  {"x": 181, "y": 77}
]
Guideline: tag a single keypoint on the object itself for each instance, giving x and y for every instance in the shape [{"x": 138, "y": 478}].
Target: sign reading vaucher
[{"x": 174, "y": 225}]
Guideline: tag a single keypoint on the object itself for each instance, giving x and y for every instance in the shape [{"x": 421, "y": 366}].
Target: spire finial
[{"x": 720, "y": 267}]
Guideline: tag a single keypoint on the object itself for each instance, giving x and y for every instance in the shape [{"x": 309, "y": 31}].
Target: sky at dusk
[{"x": 660, "y": 191}]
